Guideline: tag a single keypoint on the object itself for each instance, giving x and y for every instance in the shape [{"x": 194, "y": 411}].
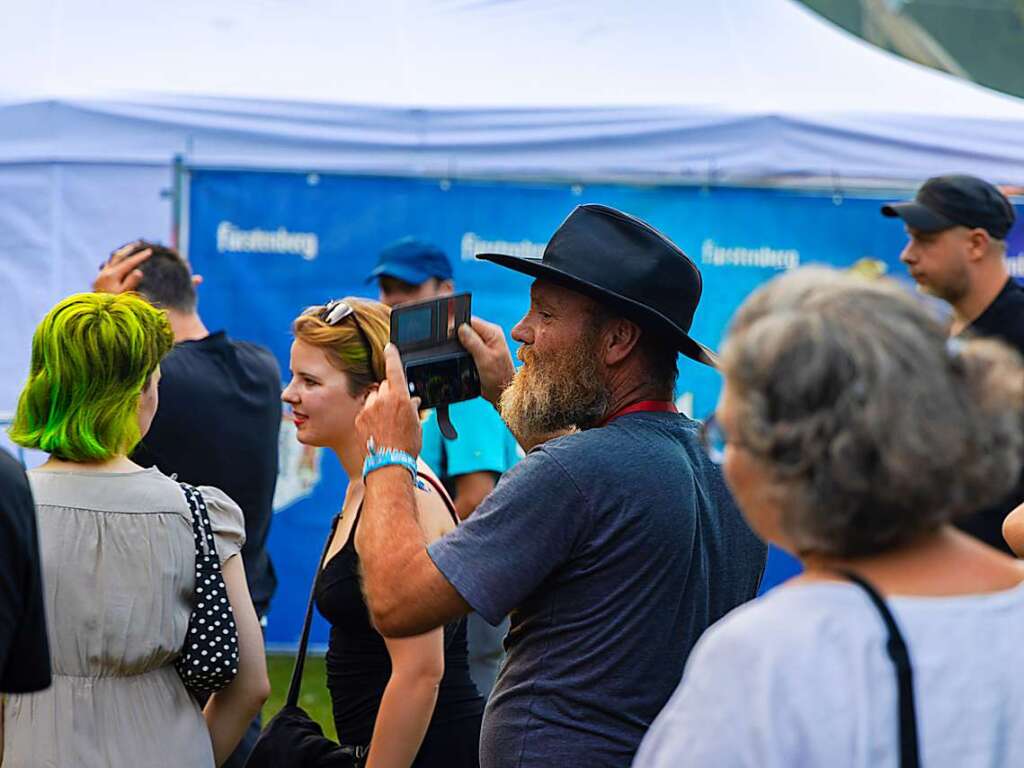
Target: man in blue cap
[
  {"x": 469, "y": 466},
  {"x": 412, "y": 270}
]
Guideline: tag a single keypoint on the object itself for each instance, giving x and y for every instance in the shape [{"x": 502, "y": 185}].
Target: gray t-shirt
[
  {"x": 613, "y": 549},
  {"x": 801, "y": 678}
]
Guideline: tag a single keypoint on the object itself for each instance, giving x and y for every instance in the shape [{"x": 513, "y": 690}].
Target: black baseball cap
[{"x": 949, "y": 201}]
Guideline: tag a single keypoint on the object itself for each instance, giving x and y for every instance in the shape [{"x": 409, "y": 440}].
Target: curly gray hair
[{"x": 876, "y": 428}]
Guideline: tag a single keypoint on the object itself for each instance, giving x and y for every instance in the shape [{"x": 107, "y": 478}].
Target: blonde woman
[{"x": 410, "y": 699}]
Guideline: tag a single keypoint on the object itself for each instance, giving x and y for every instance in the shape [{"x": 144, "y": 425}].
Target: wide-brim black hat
[{"x": 625, "y": 264}]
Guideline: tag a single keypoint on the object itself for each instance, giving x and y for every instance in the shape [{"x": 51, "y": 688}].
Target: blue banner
[{"x": 269, "y": 244}]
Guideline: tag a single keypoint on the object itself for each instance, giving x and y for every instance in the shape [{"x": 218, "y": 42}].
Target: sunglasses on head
[{"x": 334, "y": 312}]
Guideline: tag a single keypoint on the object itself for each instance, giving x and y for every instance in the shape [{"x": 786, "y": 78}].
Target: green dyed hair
[{"x": 92, "y": 355}]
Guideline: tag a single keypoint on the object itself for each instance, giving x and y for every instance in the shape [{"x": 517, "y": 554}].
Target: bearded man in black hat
[{"x": 612, "y": 545}]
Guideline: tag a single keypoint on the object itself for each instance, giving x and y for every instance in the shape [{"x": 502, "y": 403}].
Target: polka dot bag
[{"x": 209, "y": 658}]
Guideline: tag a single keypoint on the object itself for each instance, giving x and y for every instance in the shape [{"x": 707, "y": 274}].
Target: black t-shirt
[
  {"x": 24, "y": 650},
  {"x": 217, "y": 424},
  {"x": 1003, "y": 320}
]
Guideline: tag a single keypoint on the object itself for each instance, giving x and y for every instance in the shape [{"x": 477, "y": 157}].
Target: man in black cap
[
  {"x": 613, "y": 546},
  {"x": 957, "y": 251}
]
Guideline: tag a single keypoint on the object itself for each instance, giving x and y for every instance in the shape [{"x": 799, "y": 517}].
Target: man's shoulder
[
  {"x": 12, "y": 475},
  {"x": 252, "y": 348},
  {"x": 253, "y": 354},
  {"x": 206, "y": 353},
  {"x": 1012, "y": 300},
  {"x": 1004, "y": 318},
  {"x": 15, "y": 492},
  {"x": 644, "y": 438}
]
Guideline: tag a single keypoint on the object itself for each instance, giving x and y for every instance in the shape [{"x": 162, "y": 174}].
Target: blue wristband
[{"x": 387, "y": 457}]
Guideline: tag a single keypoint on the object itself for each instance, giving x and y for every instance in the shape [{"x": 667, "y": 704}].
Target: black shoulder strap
[
  {"x": 300, "y": 657},
  {"x": 909, "y": 757},
  {"x": 202, "y": 528}
]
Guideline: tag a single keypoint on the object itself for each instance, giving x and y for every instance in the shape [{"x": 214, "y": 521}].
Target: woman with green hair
[{"x": 118, "y": 558}]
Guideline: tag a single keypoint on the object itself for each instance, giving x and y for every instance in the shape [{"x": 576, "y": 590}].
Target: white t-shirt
[{"x": 801, "y": 677}]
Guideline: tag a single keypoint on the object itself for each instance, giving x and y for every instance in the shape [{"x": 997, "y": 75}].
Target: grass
[{"x": 313, "y": 697}]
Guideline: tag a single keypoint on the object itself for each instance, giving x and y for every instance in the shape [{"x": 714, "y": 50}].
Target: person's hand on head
[
  {"x": 390, "y": 416},
  {"x": 118, "y": 274},
  {"x": 486, "y": 343}
]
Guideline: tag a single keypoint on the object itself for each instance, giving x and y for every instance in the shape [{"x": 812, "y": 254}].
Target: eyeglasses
[
  {"x": 334, "y": 313},
  {"x": 714, "y": 439}
]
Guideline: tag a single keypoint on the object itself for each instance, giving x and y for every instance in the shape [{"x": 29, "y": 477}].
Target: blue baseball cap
[{"x": 412, "y": 261}]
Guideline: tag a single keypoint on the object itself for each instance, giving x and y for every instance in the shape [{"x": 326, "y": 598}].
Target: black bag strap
[
  {"x": 897, "y": 648},
  {"x": 202, "y": 528},
  {"x": 300, "y": 658}
]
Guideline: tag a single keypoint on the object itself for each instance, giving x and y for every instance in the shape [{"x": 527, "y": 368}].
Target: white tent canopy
[
  {"x": 97, "y": 98},
  {"x": 673, "y": 89}
]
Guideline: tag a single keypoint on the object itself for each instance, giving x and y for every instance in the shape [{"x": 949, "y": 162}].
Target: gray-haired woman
[{"x": 852, "y": 433}]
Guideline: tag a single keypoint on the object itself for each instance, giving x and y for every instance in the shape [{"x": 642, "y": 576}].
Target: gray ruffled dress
[{"x": 118, "y": 559}]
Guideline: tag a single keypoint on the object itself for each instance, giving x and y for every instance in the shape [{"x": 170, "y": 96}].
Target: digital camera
[{"x": 438, "y": 368}]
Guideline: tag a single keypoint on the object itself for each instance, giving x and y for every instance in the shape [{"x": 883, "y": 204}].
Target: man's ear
[
  {"x": 978, "y": 241},
  {"x": 445, "y": 287},
  {"x": 620, "y": 337}
]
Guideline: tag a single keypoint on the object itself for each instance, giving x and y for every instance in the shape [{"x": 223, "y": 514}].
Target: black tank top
[{"x": 358, "y": 664}]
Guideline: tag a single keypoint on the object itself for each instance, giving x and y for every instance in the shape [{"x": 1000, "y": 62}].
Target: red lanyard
[{"x": 656, "y": 406}]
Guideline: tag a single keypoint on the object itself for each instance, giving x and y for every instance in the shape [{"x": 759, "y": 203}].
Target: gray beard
[{"x": 540, "y": 403}]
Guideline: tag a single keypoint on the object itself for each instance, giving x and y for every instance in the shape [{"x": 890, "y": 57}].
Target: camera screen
[
  {"x": 443, "y": 381},
  {"x": 414, "y": 326}
]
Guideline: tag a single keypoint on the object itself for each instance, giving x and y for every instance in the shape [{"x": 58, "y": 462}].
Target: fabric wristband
[{"x": 387, "y": 457}]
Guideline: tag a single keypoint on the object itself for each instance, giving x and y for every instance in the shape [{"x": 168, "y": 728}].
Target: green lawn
[{"x": 314, "y": 697}]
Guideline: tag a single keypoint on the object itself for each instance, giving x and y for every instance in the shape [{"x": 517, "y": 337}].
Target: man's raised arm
[{"x": 406, "y": 593}]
